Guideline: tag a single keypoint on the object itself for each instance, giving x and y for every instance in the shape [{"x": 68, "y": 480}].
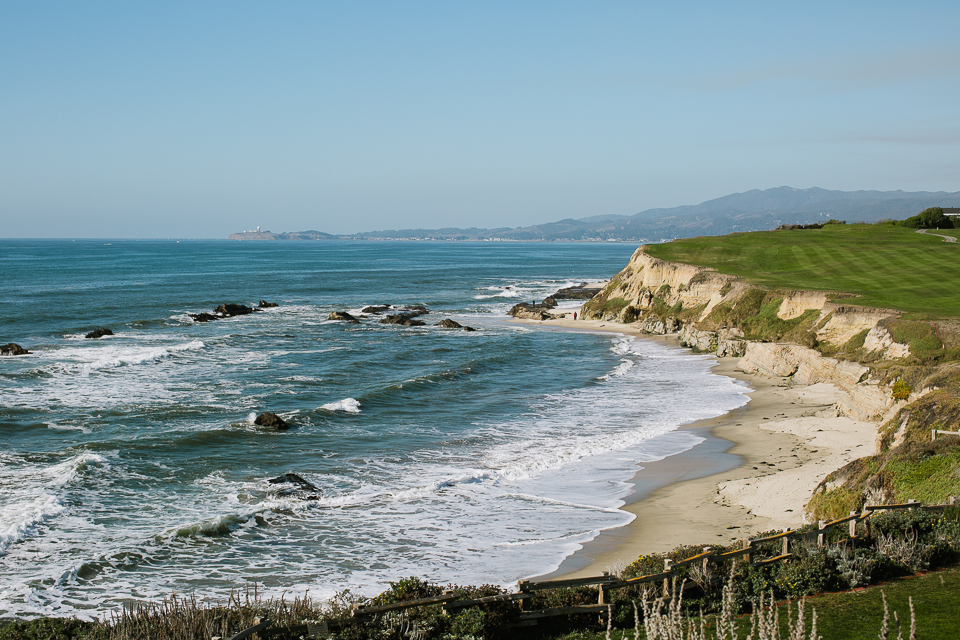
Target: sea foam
[{"x": 349, "y": 405}]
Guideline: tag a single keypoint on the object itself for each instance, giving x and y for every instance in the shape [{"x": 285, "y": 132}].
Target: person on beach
[{"x": 574, "y": 316}]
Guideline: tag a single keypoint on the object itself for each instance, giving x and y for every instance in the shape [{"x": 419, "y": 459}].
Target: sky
[{"x": 200, "y": 119}]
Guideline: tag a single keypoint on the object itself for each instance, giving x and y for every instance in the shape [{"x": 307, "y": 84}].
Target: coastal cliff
[
  {"x": 897, "y": 373},
  {"x": 795, "y": 334}
]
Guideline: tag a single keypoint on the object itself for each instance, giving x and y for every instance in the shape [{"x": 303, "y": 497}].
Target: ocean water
[{"x": 130, "y": 466}]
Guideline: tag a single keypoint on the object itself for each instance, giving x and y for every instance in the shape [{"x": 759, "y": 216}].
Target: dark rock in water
[
  {"x": 99, "y": 333},
  {"x": 271, "y": 420},
  {"x": 227, "y": 311},
  {"x": 403, "y": 320},
  {"x": 230, "y": 310},
  {"x": 12, "y": 349},
  {"x": 579, "y": 292},
  {"x": 406, "y": 315},
  {"x": 343, "y": 315},
  {"x": 267, "y": 305},
  {"x": 549, "y": 302},
  {"x": 299, "y": 485},
  {"x": 380, "y": 308},
  {"x": 447, "y": 323}
]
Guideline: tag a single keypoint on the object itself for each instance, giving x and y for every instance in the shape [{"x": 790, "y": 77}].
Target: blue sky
[{"x": 171, "y": 119}]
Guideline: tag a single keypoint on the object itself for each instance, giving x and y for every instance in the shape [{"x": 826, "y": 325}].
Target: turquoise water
[{"x": 130, "y": 466}]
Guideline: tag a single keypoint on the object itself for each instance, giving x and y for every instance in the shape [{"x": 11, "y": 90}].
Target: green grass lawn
[
  {"x": 858, "y": 614},
  {"x": 889, "y": 267}
]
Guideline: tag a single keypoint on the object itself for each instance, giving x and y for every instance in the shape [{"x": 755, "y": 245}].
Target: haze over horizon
[{"x": 187, "y": 120}]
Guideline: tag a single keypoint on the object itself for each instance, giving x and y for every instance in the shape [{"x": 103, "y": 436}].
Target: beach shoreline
[{"x": 755, "y": 470}]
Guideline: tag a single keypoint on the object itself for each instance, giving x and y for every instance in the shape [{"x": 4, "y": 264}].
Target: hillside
[
  {"x": 755, "y": 210},
  {"x": 870, "y": 309}
]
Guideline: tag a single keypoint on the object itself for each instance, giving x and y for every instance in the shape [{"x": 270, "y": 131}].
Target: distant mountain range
[{"x": 755, "y": 210}]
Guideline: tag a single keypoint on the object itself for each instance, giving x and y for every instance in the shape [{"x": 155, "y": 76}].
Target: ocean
[{"x": 131, "y": 468}]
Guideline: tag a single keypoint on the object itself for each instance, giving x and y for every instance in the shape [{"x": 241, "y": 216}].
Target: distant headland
[{"x": 756, "y": 210}]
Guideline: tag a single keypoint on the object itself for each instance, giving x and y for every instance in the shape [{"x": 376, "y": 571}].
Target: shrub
[
  {"x": 855, "y": 566},
  {"x": 932, "y": 218},
  {"x": 901, "y": 390},
  {"x": 469, "y": 623},
  {"x": 411, "y": 588}
]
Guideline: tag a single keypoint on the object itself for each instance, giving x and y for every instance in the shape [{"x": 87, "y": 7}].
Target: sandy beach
[{"x": 754, "y": 472}]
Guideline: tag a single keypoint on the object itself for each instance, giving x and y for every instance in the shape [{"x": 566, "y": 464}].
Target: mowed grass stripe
[{"x": 890, "y": 267}]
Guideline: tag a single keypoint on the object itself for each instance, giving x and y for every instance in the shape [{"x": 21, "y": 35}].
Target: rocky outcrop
[
  {"x": 296, "y": 486},
  {"x": 343, "y": 315},
  {"x": 415, "y": 310},
  {"x": 403, "y": 319},
  {"x": 724, "y": 342},
  {"x": 99, "y": 333},
  {"x": 578, "y": 292},
  {"x": 12, "y": 349},
  {"x": 229, "y": 310},
  {"x": 447, "y": 323},
  {"x": 864, "y": 399},
  {"x": 267, "y": 305},
  {"x": 271, "y": 420},
  {"x": 375, "y": 309},
  {"x": 528, "y": 311},
  {"x": 647, "y": 280},
  {"x": 881, "y": 342}
]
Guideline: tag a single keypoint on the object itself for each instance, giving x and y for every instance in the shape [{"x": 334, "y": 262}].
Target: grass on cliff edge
[{"x": 886, "y": 266}]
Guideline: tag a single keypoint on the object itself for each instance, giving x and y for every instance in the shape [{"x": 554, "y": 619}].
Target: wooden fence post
[
  {"x": 821, "y": 537},
  {"x": 786, "y": 544},
  {"x": 667, "y": 566},
  {"x": 911, "y": 501},
  {"x": 706, "y": 561},
  {"x": 602, "y": 598},
  {"x": 746, "y": 545},
  {"x": 853, "y": 525}
]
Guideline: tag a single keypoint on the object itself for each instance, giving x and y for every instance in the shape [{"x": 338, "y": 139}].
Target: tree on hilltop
[{"x": 932, "y": 218}]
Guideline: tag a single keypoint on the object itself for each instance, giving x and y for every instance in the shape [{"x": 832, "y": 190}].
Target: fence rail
[
  {"x": 935, "y": 432},
  {"x": 604, "y": 583}
]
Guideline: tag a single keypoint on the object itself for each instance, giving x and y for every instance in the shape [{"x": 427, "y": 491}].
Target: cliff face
[{"x": 798, "y": 334}]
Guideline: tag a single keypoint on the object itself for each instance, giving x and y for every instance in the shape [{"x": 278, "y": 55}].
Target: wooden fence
[
  {"x": 935, "y": 432},
  {"x": 604, "y": 583}
]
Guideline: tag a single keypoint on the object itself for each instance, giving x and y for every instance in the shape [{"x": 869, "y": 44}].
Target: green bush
[{"x": 901, "y": 390}]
